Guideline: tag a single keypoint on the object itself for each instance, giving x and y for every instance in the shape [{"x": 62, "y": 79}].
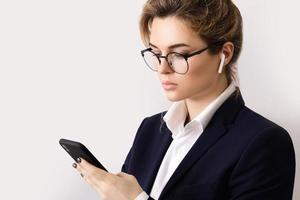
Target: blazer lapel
[
  {"x": 163, "y": 142},
  {"x": 216, "y": 128}
]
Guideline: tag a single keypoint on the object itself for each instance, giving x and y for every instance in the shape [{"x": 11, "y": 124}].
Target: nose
[{"x": 164, "y": 67}]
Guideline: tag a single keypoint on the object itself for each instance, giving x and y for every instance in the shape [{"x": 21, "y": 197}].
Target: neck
[{"x": 198, "y": 102}]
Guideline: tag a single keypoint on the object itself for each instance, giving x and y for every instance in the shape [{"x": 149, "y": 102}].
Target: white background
[{"x": 72, "y": 69}]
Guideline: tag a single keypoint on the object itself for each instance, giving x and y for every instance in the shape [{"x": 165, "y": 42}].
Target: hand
[{"x": 109, "y": 186}]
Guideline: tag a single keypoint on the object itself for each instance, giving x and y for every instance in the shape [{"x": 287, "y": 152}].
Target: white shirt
[{"x": 183, "y": 138}]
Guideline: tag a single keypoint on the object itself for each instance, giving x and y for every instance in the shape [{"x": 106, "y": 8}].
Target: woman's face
[{"x": 203, "y": 68}]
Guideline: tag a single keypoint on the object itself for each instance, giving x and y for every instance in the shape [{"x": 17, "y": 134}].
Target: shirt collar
[{"x": 176, "y": 115}]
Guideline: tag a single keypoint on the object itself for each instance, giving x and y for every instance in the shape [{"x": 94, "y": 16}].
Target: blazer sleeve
[
  {"x": 125, "y": 166},
  {"x": 266, "y": 169},
  {"x": 128, "y": 157}
]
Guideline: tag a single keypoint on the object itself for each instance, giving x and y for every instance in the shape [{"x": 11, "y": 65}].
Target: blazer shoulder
[
  {"x": 257, "y": 120},
  {"x": 155, "y": 120},
  {"x": 266, "y": 158},
  {"x": 152, "y": 127},
  {"x": 254, "y": 124},
  {"x": 157, "y": 116}
]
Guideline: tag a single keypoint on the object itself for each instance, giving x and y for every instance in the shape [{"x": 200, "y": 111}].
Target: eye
[{"x": 185, "y": 53}]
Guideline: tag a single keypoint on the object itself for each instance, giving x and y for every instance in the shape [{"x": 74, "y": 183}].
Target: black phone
[{"x": 76, "y": 149}]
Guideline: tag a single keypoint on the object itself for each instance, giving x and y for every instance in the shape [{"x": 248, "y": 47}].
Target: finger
[
  {"x": 121, "y": 174},
  {"x": 79, "y": 169},
  {"x": 91, "y": 169},
  {"x": 86, "y": 177}
]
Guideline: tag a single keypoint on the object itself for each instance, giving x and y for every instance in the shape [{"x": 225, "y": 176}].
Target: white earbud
[{"x": 221, "y": 63}]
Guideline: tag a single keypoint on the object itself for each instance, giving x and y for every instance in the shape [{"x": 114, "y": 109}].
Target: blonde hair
[{"x": 215, "y": 21}]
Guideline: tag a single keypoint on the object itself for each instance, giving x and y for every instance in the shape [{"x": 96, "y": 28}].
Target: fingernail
[
  {"x": 78, "y": 160},
  {"x": 74, "y": 165}
]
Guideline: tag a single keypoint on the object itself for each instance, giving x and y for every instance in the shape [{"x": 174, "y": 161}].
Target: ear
[{"x": 227, "y": 50}]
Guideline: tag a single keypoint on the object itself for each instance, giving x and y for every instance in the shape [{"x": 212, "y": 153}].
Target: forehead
[{"x": 170, "y": 30}]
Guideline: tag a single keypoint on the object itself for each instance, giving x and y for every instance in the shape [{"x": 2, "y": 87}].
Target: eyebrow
[{"x": 172, "y": 46}]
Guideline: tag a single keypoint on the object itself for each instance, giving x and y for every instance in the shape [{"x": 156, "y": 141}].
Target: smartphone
[{"x": 76, "y": 149}]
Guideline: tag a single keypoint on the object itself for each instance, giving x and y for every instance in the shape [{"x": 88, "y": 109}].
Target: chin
[{"x": 173, "y": 96}]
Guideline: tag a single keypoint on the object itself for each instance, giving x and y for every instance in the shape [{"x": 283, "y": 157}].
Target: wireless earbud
[{"x": 221, "y": 63}]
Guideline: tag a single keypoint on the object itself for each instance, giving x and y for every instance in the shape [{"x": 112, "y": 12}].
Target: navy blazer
[{"x": 239, "y": 156}]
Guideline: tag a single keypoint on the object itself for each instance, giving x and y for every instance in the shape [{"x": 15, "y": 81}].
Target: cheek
[
  {"x": 201, "y": 75},
  {"x": 201, "y": 72}
]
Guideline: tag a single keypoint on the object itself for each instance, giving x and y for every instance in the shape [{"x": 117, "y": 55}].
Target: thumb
[{"x": 121, "y": 174}]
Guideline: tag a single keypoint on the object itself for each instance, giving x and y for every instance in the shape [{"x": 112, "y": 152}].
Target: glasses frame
[{"x": 185, "y": 56}]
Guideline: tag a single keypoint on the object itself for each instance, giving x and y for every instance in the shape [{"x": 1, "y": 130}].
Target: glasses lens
[
  {"x": 151, "y": 60},
  {"x": 178, "y": 63}
]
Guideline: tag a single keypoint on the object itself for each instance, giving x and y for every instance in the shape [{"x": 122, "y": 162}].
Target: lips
[{"x": 168, "y": 83}]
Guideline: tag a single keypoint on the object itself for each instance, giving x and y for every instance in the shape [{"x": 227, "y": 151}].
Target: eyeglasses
[{"x": 178, "y": 62}]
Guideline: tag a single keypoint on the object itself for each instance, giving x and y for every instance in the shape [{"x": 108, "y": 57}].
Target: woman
[{"x": 208, "y": 145}]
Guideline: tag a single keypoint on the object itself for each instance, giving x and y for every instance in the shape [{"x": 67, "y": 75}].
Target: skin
[
  {"x": 198, "y": 87},
  {"x": 202, "y": 83},
  {"x": 109, "y": 186}
]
